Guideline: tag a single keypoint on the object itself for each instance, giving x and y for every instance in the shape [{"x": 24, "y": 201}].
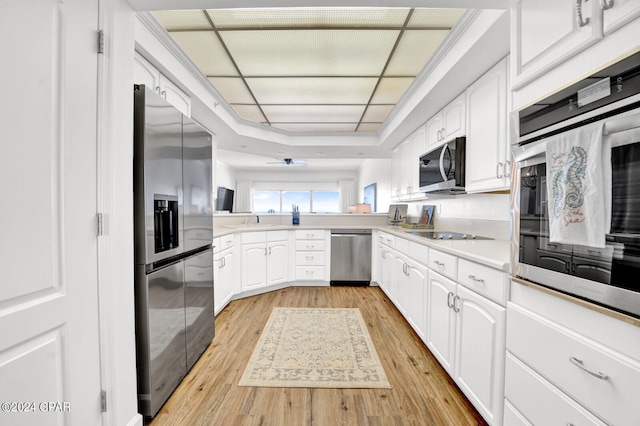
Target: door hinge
[
  {"x": 103, "y": 401},
  {"x": 100, "y": 224},
  {"x": 100, "y": 41}
]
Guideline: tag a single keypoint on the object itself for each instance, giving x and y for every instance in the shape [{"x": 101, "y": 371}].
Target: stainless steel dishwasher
[{"x": 350, "y": 257}]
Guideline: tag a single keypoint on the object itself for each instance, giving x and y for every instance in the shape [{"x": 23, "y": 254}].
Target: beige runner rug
[{"x": 315, "y": 348}]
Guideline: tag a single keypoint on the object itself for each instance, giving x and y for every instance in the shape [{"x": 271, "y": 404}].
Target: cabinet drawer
[
  {"x": 573, "y": 363},
  {"x": 484, "y": 280},
  {"x": 387, "y": 239},
  {"x": 419, "y": 253},
  {"x": 310, "y": 273},
  {"x": 277, "y": 235},
  {"x": 254, "y": 237},
  {"x": 309, "y": 258},
  {"x": 444, "y": 263},
  {"x": 539, "y": 401},
  {"x": 512, "y": 417},
  {"x": 310, "y": 234},
  {"x": 226, "y": 241},
  {"x": 310, "y": 245},
  {"x": 402, "y": 245}
]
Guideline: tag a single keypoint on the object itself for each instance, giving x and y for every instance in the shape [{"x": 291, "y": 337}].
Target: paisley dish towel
[{"x": 579, "y": 186}]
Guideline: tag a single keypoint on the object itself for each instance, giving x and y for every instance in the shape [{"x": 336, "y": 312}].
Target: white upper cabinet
[
  {"x": 447, "y": 124},
  {"x": 547, "y": 32},
  {"x": 488, "y": 164},
  {"x": 145, "y": 73},
  {"x": 405, "y": 177},
  {"x": 453, "y": 118},
  {"x": 618, "y": 13}
]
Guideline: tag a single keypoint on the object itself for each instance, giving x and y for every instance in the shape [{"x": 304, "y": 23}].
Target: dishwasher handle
[{"x": 352, "y": 232}]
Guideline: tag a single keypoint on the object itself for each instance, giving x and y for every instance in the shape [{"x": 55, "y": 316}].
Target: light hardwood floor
[{"x": 422, "y": 394}]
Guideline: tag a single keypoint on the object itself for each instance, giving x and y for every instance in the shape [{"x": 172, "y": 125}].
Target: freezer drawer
[
  {"x": 160, "y": 334},
  {"x": 199, "y": 308}
]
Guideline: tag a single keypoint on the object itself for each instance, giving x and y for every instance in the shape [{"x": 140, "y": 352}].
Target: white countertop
[{"x": 493, "y": 253}]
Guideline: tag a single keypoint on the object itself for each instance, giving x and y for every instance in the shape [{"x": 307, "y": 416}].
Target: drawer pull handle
[
  {"x": 309, "y": 258},
  {"x": 309, "y": 247},
  {"x": 440, "y": 264},
  {"x": 477, "y": 280},
  {"x": 309, "y": 272},
  {"x": 578, "y": 363}
]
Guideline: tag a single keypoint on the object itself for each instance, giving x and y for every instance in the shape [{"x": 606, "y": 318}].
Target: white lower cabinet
[
  {"x": 311, "y": 255},
  {"x": 409, "y": 282},
  {"x": 528, "y": 391},
  {"x": 416, "y": 306},
  {"x": 441, "y": 319},
  {"x": 466, "y": 333},
  {"x": 265, "y": 259},
  {"x": 224, "y": 272},
  {"x": 586, "y": 381},
  {"x": 479, "y": 360}
]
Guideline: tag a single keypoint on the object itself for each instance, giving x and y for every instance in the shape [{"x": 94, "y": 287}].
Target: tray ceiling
[{"x": 311, "y": 69}]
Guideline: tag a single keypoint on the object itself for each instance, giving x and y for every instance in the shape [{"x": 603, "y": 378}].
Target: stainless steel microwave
[{"x": 443, "y": 168}]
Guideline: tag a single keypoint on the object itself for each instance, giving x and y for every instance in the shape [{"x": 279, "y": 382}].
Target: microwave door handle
[{"x": 444, "y": 176}]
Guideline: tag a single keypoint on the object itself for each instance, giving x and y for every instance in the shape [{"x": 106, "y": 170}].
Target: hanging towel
[{"x": 579, "y": 186}]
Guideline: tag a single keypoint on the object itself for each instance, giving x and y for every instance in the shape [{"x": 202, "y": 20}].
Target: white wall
[
  {"x": 118, "y": 350},
  {"x": 376, "y": 171},
  {"x": 225, "y": 176}
]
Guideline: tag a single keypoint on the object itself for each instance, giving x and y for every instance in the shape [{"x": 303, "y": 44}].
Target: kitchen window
[{"x": 265, "y": 201}]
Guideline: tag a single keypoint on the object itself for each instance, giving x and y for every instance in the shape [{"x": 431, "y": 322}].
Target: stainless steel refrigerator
[{"x": 173, "y": 228}]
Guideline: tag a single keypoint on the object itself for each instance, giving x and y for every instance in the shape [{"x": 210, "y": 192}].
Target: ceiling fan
[{"x": 290, "y": 162}]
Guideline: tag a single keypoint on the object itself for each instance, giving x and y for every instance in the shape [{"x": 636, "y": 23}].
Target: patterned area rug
[{"x": 315, "y": 348}]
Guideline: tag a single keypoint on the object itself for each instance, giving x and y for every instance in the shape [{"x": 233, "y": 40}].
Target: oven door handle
[{"x": 621, "y": 124}]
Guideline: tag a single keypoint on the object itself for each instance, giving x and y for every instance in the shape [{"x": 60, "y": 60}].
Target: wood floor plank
[{"x": 422, "y": 394}]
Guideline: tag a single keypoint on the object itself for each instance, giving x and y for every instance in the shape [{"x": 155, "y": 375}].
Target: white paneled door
[{"x": 49, "y": 343}]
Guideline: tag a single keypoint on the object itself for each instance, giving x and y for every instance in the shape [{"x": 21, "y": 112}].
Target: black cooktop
[{"x": 445, "y": 235}]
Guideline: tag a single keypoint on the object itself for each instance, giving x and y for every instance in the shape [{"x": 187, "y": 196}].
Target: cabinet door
[
  {"x": 396, "y": 167},
  {"x": 406, "y": 156},
  {"x": 227, "y": 279},
  {"x": 441, "y": 319},
  {"x": 254, "y": 266},
  {"x": 480, "y": 351},
  {"x": 434, "y": 131},
  {"x": 401, "y": 283},
  {"x": 547, "y": 32},
  {"x": 418, "y": 147},
  {"x": 218, "y": 265},
  {"x": 453, "y": 118},
  {"x": 389, "y": 274},
  {"x": 618, "y": 13},
  {"x": 145, "y": 73},
  {"x": 175, "y": 96},
  {"x": 417, "y": 283},
  {"x": 278, "y": 262},
  {"x": 486, "y": 160}
]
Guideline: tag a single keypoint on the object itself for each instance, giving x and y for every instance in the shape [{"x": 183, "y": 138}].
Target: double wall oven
[{"x": 608, "y": 102}]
